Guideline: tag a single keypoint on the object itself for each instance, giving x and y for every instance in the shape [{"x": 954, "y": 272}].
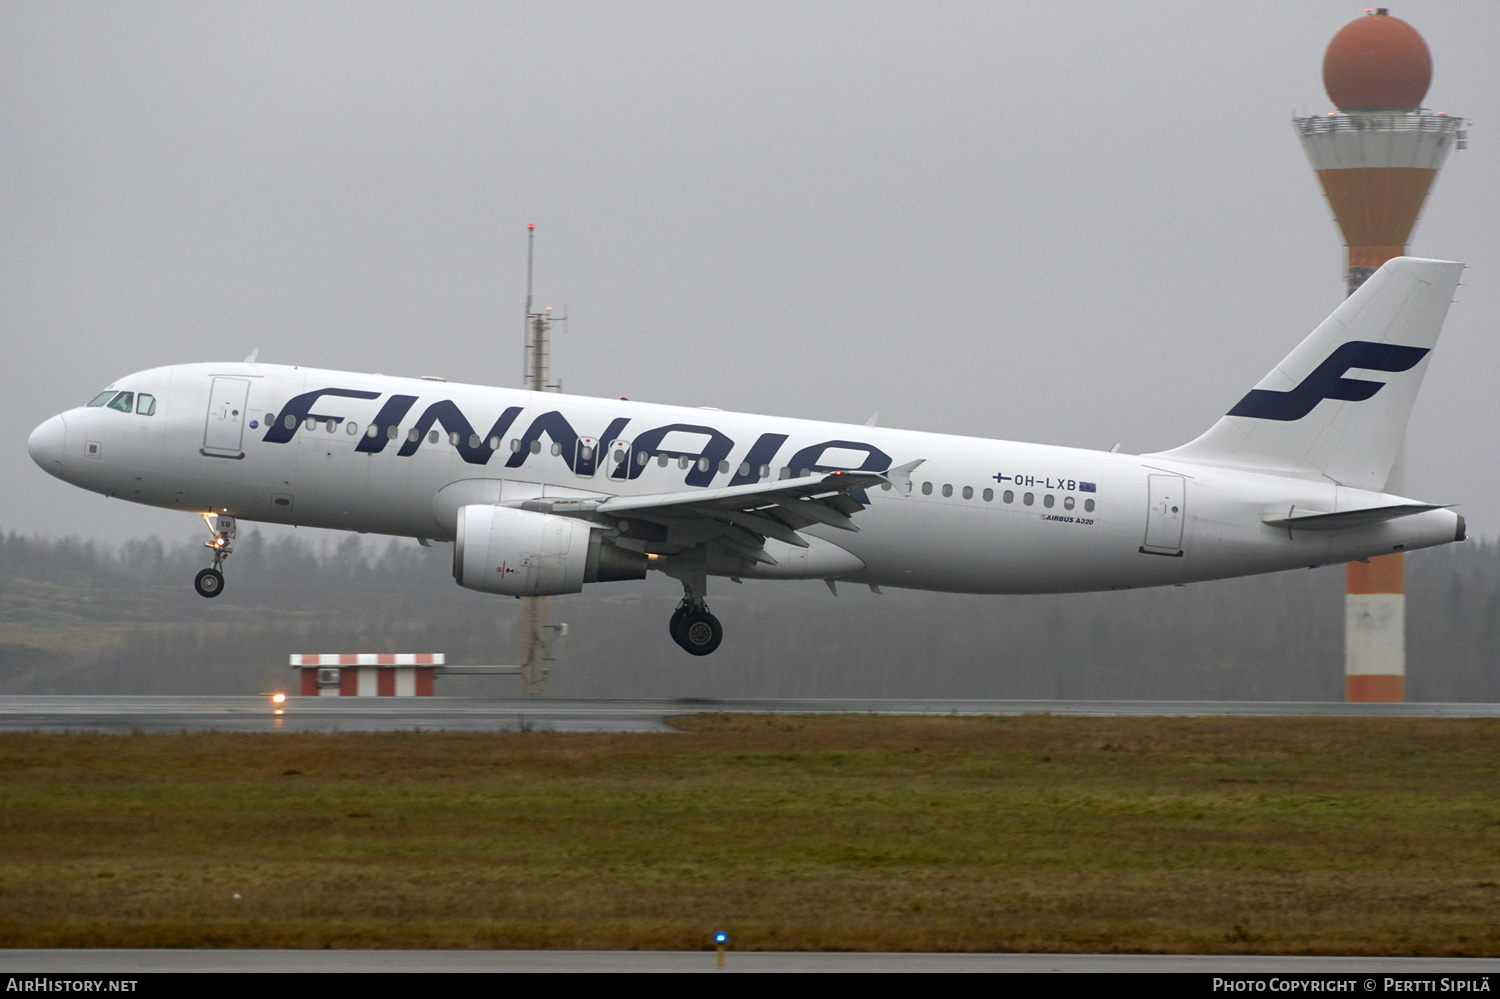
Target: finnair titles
[{"x": 542, "y": 494}]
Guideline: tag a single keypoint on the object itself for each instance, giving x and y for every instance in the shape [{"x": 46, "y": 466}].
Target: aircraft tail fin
[{"x": 1336, "y": 407}]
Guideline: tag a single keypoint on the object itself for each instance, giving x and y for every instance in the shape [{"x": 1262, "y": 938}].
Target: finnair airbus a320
[{"x": 541, "y": 494}]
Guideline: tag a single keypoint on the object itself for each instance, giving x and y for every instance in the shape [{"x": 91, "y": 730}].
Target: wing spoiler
[{"x": 794, "y": 493}]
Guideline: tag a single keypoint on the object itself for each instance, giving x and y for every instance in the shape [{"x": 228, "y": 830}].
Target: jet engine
[{"x": 498, "y": 549}]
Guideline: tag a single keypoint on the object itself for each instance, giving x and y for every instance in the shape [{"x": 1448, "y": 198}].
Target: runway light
[
  {"x": 278, "y": 698},
  {"x": 721, "y": 940}
]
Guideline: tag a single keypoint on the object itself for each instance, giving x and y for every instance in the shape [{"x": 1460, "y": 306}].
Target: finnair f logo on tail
[{"x": 1327, "y": 381}]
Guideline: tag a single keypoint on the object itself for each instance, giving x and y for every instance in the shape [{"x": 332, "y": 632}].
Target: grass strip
[{"x": 1183, "y": 835}]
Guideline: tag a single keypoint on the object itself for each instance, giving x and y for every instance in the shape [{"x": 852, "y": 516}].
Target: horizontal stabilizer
[{"x": 1317, "y": 520}]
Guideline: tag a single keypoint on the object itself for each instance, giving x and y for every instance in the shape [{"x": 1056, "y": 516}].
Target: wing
[{"x": 738, "y": 519}]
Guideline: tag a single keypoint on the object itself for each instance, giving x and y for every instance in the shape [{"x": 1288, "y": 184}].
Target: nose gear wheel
[{"x": 209, "y": 583}]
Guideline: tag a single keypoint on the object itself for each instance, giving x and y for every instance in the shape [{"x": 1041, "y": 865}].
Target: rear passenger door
[{"x": 1165, "y": 515}]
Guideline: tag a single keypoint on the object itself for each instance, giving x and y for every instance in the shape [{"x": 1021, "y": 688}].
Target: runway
[
  {"x": 125, "y": 714},
  {"x": 126, "y": 962}
]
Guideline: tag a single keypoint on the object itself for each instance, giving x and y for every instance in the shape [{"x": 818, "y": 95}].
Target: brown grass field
[{"x": 1263, "y": 835}]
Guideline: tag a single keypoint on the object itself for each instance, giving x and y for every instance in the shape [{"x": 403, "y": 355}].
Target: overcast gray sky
[{"x": 1075, "y": 223}]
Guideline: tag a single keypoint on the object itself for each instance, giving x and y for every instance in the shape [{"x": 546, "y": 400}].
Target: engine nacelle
[{"x": 498, "y": 549}]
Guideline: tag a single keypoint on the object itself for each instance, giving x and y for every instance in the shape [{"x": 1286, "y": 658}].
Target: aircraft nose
[{"x": 47, "y": 444}]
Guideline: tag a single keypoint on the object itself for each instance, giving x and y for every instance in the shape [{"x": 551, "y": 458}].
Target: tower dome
[{"x": 1377, "y": 62}]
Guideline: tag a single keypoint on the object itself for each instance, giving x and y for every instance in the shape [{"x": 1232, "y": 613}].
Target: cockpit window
[
  {"x": 103, "y": 397},
  {"x": 145, "y": 404},
  {"x": 124, "y": 402}
]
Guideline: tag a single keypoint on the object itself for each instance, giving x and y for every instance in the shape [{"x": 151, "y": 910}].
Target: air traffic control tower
[{"x": 1376, "y": 157}]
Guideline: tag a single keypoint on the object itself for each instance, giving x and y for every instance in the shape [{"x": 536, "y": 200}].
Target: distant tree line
[{"x": 78, "y": 617}]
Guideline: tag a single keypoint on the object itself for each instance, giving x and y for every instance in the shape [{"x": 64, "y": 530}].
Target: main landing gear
[
  {"x": 695, "y": 629},
  {"x": 692, "y": 626},
  {"x": 210, "y": 582}
]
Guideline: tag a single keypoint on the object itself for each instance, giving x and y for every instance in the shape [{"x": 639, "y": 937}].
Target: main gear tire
[
  {"x": 674, "y": 626},
  {"x": 701, "y": 632}
]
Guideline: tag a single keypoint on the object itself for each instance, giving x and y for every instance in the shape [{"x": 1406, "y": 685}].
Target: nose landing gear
[{"x": 210, "y": 582}]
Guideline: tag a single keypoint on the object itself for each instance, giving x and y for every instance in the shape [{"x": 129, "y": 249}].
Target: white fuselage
[{"x": 982, "y": 516}]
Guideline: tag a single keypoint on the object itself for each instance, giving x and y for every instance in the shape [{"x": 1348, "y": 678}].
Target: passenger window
[
  {"x": 556, "y": 449},
  {"x": 723, "y": 467},
  {"x": 1067, "y": 502},
  {"x": 352, "y": 427},
  {"x": 661, "y": 460},
  {"x": 1047, "y": 501},
  {"x": 124, "y": 402},
  {"x": 536, "y": 447},
  {"x": 1088, "y": 505},
  {"x": 947, "y": 489},
  {"x": 290, "y": 422},
  {"x": 1009, "y": 497},
  {"x": 989, "y": 495},
  {"x": 270, "y": 419},
  {"x": 453, "y": 438},
  {"x": 702, "y": 464},
  {"x": 311, "y": 424},
  {"x": 1028, "y": 499},
  {"x": 372, "y": 431},
  {"x": 432, "y": 436},
  {"x": 765, "y": 471},
  {"x": 332, "y": 424},
  {"x": 102, "y": 398},
  {"x": 145, "y": 404},
  {"x": 412, "y": 436},
  {"x": 619, "y": 456},
  {"x": 494, "y": 443},
  {"x": 927, "y": 489},
  {"x": 744, "y": 468},
  {"x": 392, "y": 432},
  {"x": 968, "y": 492},
  {"x": 515, "y": 445}
]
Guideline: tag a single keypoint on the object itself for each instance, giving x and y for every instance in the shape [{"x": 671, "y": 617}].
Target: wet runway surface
[
  {"x": 121, "y": 714},
  {"x": 125, "y": 962}
]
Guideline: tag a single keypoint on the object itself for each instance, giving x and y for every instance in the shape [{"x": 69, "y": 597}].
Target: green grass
[{"x": 1358, "y": 836}]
